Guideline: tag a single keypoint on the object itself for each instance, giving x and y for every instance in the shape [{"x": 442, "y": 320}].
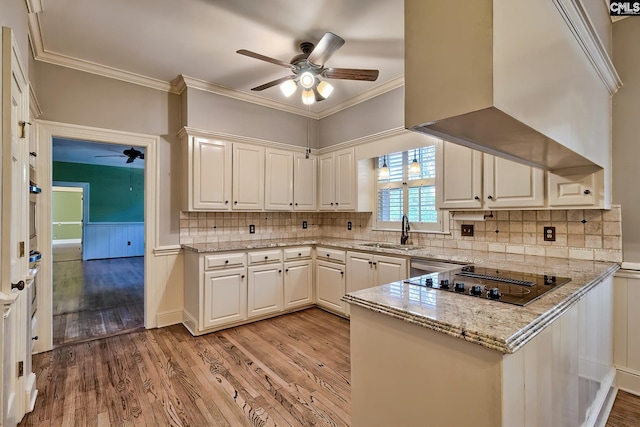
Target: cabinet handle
[
  {"x": 226, "y": 202},
  {"x": 370, "y": 262},
  {"x": 375, "y": 263},
  {"x": 286, "y": 270},
  {"x": 296, "y": 203},
  {"x": 235, "y": 203},
  {"x": 299, "y": 254},
  {"x": 490, "y": 197},
  {"x": 242, "y": 277},
  {"x": 477, "y": 198},
  {"x": 279, "y": 271},
  {"x": 337, "y": 203},
  {"x": 291, "y": 204},
  {"x": 587, "y": 191},
  {"x": 328, "y": 255},
  {"x": 331, "y": 203},
  {"x": 342, "y": 273},
  {"x": 19, "y": 285},
  {"x": 266, "y": 257},
  {"x": 226, "y": 261}
]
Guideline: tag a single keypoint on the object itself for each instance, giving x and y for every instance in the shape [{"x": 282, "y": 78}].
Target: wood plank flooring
[
  {"x": 292, "y": 370},
  {"x": 97, "y": 298}
]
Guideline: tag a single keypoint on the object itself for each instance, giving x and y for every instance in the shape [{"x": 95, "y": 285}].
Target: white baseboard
[
  {"x": 628, "y": 380},
  {"x": 65, "y": 241},
  {"x": 168, "y": 318}
]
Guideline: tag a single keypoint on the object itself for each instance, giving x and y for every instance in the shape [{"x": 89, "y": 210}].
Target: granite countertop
[{"x": 495, "y": 325}]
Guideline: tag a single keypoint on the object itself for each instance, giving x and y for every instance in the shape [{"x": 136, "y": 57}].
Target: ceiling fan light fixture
[
  {"x": 308, "y": 97},
  {"x": 307, "y": 80},
  {"x": 325, "y": 89},
  {"x": 288, "y": 88}
]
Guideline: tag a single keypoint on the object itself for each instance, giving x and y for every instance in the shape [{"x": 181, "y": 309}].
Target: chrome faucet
[{"x": 404, "y": 237}]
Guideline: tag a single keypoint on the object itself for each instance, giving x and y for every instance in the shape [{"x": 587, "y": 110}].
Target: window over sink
[{"x": 405, "y": 191}]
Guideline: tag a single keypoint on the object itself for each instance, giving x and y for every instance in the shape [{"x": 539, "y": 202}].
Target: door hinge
[
  {"x": 20, "y": 369},
  {"x": 23, "y": 125},
  {"x": 21, "y": 249}
]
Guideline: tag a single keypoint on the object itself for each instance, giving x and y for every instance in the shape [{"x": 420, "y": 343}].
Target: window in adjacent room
[{"x": 413, "y": 194}]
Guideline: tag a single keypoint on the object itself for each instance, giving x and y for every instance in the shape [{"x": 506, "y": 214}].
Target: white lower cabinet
[
  {"x": 330, "y": 285},
  {"x": 225, "y": 296},
  {"x": 265, "y": 290},
  {"x": 298, "y": 283}
]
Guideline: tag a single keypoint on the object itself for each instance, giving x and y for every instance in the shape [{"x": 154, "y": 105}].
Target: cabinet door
[
  {"x": 248, "y": 177},
  {"x": 330, "y": 285},
  {"x": 265, "y": 292},
  {"x": 575, "y": 190},
  {"x": 508, "y": 184},
  {"x": 459, "y": 177},
  {"x": 278, "y": 182},
  {"x": 298, "y": 282},
  {"x": 211, "y": 175},
  {"x": 326, "y": 183},
  {"x": 305, "y": 173},
  {"x": 345, "y": 192},
  {"x": 225, "y": 297},
  {"x": 361, "y": 271},
  {"x": 389, "y": 269}
]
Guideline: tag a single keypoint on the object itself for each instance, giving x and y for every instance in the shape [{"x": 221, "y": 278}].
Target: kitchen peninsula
[{"x": 427, "y": 357}]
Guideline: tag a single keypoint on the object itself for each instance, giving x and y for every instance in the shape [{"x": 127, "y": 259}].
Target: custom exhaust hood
[{"x": 511, "y": 78}]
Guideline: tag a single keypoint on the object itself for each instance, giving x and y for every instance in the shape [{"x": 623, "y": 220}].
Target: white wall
[{"x": 626, "y": 138}]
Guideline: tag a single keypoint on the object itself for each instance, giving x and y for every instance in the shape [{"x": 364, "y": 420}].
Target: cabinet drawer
[
  {"x": 297, "y": 253},
  {"x": 331, "y": 254},
  {"x": 260, "y": 257},
  {"x": 224, "y": 260}
]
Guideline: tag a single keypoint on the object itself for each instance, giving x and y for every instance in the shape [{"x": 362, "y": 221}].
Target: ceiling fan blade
[
  {"x": 141, "y": 156},
  {"x": 326, "y": 47},
  {"x": 112, "y": 155},
  {"x": 263, "y": 58},
  {"x": 273, "y": 83},
  {"x": 351, "y": 74},
  {"x": 130, "y": 160}
]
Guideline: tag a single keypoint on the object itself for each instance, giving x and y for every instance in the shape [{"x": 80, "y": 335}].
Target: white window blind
[{"x": 404, "y": 193}]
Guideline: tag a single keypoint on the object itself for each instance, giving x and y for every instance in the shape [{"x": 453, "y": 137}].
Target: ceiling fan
[
  {"x": 130, "y": 153},
  {"x": 309, "y": 66}
]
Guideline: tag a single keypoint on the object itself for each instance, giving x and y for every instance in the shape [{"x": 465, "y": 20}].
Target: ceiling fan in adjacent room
[
  {"x": 309, "y": 69},
  {"x": 130, "y": 153}
]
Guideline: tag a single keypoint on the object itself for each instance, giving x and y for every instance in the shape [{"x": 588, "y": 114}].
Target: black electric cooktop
[{"x": 499, "y": 285}]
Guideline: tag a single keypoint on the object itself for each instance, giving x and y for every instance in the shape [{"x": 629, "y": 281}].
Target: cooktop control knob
[
  {"x": 459, "y": 287},
  {"x": 494, "y": 293},
  {"x": 428, "y": 282},
  {"x": 476, "y": 290},
  {"x": 444, "y": 284}
]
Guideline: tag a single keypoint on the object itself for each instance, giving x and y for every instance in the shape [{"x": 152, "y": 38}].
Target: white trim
[
  {"x": 46, "y": 130},
  {"x": 580, "y": 25},
  {"x": 363, "y": 140},
  {"x": 168, "y": 318},
  {"x": 66, "y": 241},
  {"x": 630, "y": 266},
  {"x": 239, "y": 138},
  {"x": 628, "y": 380},
  {"x": 168, "y": 250},
  {"x": 34, "y": 105}
]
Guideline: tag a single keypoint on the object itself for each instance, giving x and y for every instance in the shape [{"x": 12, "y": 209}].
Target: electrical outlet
[
  {"x": 550, "y": 234},
  {"x": 304, "y": 225},
  {"x": 252, "y": 229},
  {"x": 467, "y": 230},
  {"x": 349, "y": 225}
]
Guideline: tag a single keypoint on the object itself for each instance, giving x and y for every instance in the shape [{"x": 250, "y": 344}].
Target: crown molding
[
  {"x": 365, "y": 96},
  {"x": 577, "y": 19},
  {"x": 34, "y": 105},
  {"x": 364, "y": 140}
]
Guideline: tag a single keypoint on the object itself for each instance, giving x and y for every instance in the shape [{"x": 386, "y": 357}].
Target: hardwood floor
[
  {"x": 625, "y": 412},
  {"x": 292, "y": 370},
  {"x": 97, "y": 298}
]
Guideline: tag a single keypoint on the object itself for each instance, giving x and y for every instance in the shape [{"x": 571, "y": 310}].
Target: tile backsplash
[{"x": 590, "y": 234}]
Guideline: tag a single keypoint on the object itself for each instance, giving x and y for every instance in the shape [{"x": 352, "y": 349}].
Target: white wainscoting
[
  {"x": 626, "y": 337},
  {"x": 113, "y": 240}
]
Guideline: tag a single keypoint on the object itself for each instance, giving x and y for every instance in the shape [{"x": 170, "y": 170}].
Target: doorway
[{"x": 67, "y": 217}]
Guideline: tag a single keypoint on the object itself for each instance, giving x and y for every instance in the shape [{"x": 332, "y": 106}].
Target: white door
[
  {"x": 326, "y": 183},
  {"x": 211, "y": 174},
  {"x": 389, "y": 269},
  {"x": 330, "y": 285},
  {"x": 298, "y": 281},
  {"x": 278, "y": 180},
  {"x": 225, "y": 297},
  {"x": 248, "y": 177},
  {"x": 345, "y": 180},
  {"x": 508, "y": 184},
  {"x": 15, "y": 208},
  {"x": 305, "y": 175},
  {"x": 265, "y": 290},
  {"x": 361, "y": 271},
  {"x": 459, "y": 177}
]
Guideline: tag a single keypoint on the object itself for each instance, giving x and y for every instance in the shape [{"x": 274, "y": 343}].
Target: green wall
[
  {"x": 66, "y": 207},
  {"x": 109, "y": 197}
]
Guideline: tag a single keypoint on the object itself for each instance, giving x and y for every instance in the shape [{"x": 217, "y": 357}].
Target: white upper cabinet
[
  {"x": 305, "y": 175},
  {"x": 580, "y": 189},
  {"x": 248, "y": 177},
  {"x": 508, "y": 184},
  {"x": 337, "y": 183},
  {"x": 278, "y": 180},
  {"x": 469, "y": 179},
  {"x": 208, "y": 174}
]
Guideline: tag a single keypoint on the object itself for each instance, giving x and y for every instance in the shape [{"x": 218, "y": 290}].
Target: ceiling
[
  {"x": 152, "y": 42},
  {"x": 91, "y": 153}
]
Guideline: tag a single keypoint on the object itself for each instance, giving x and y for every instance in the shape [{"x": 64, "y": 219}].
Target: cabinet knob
[
  {"x": 242, "y": 277},
  {"x": 235, "y": 203},
  {"x": 375, "y": 263},
  {"x": 342, "y": 273},
  {"x": 331, "y": 203},
  {"x": 296, "y": 204},
  {"x": 370, "y": 262},
  {"x": 226, "y": 202},
  {"x": 266, "y": 257},
  {"x": 477, "y": 198},
  {"x": 587, "y": 191},
  {"x": 337, "y": 203},
  {"x": 279, "y": 271},
  {"x": 299, "y": 254},
  {"x": 286, "y": 270},
  {"x": 226, "y": 261},
  {"x": 490, "y": 197},
  {"x": 291, "y": 204},
  {"x": 328, "y": 255}
]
